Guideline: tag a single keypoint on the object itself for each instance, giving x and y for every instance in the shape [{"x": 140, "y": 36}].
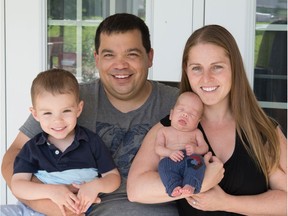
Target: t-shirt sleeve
[
  {"x": 31, "y": 127},
  {"x": 89, "y": 93},
  {"x": 103, "y": 156}
]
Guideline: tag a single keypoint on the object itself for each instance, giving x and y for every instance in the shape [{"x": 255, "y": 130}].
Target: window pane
[
  {"x": 71, "y": 29},
  {"x": 88, "y": 63},
  {"x": 61, "y": 9},
  {"x": 62, "y": 47},
  {"x": 270, "y": 79}
]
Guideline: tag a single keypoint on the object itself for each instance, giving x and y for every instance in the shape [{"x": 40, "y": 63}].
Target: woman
[{"x": 249, "y": 143}]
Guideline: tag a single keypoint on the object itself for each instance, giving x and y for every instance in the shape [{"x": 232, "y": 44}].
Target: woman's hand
[
  {"x": 211, "y": 200},
  {"x": 214, "y": 172}
]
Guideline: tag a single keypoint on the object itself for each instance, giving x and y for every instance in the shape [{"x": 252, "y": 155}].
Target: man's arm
[
  {"x": 46, "y": 206},
  {"x": 10, "y": 155}
]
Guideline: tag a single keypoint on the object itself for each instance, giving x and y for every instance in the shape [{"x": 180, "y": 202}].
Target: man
[{"x": 120, "y": 107}]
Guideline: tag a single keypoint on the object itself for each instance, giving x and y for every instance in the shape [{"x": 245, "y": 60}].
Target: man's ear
[
  {"x": 34, "y": 113},
  {"x": 150, "y": 57},
  {"x": 80, "y": 108},
  {"x": 96, "y": 58}
]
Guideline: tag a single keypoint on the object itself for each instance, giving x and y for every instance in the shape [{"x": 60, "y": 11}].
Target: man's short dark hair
[{"x": 121, "y": 23}]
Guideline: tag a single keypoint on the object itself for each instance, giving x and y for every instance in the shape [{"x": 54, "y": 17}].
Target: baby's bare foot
[
  {"x": 187, "y": 189},
  {"x": 176, "y": 192}
]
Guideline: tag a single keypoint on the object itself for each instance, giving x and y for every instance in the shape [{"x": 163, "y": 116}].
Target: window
[
  {"x": 71, "y": 30},
  {"x": 270, "y": 79}
]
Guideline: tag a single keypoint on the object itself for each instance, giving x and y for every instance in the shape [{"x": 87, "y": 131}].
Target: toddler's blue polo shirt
[{"x": 87, "y": 151}]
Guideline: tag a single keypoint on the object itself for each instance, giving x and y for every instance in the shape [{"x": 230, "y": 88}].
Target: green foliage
[{"x": 258, "y": 40}]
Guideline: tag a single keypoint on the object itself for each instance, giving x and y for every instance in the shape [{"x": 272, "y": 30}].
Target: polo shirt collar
[{"x": 79, "y": 135}]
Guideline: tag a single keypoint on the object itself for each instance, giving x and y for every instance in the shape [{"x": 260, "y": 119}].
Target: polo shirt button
[{"x": 57, "y": 152}]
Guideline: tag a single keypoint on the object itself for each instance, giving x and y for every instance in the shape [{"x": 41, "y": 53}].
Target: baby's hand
[
  {"x": 190, "y": 149},
  {"x": 176, "y": 156}
]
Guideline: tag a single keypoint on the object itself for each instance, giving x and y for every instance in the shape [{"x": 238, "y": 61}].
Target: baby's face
[{"x": 185, "y": 116}]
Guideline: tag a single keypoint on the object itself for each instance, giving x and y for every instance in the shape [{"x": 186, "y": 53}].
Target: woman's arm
[
  {"x": 144, "y": 184},
  {"x": 272, "y": 202}
]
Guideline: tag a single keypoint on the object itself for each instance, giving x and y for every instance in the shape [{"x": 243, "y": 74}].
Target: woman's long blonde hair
[{"x": 255, "y": 128}]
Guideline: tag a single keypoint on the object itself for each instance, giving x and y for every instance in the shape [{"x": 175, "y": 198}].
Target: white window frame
[{"x": 23, "y": 58}]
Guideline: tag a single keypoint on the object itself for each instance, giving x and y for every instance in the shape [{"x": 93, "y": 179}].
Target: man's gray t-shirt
[{"x": 123, "y": 134}]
